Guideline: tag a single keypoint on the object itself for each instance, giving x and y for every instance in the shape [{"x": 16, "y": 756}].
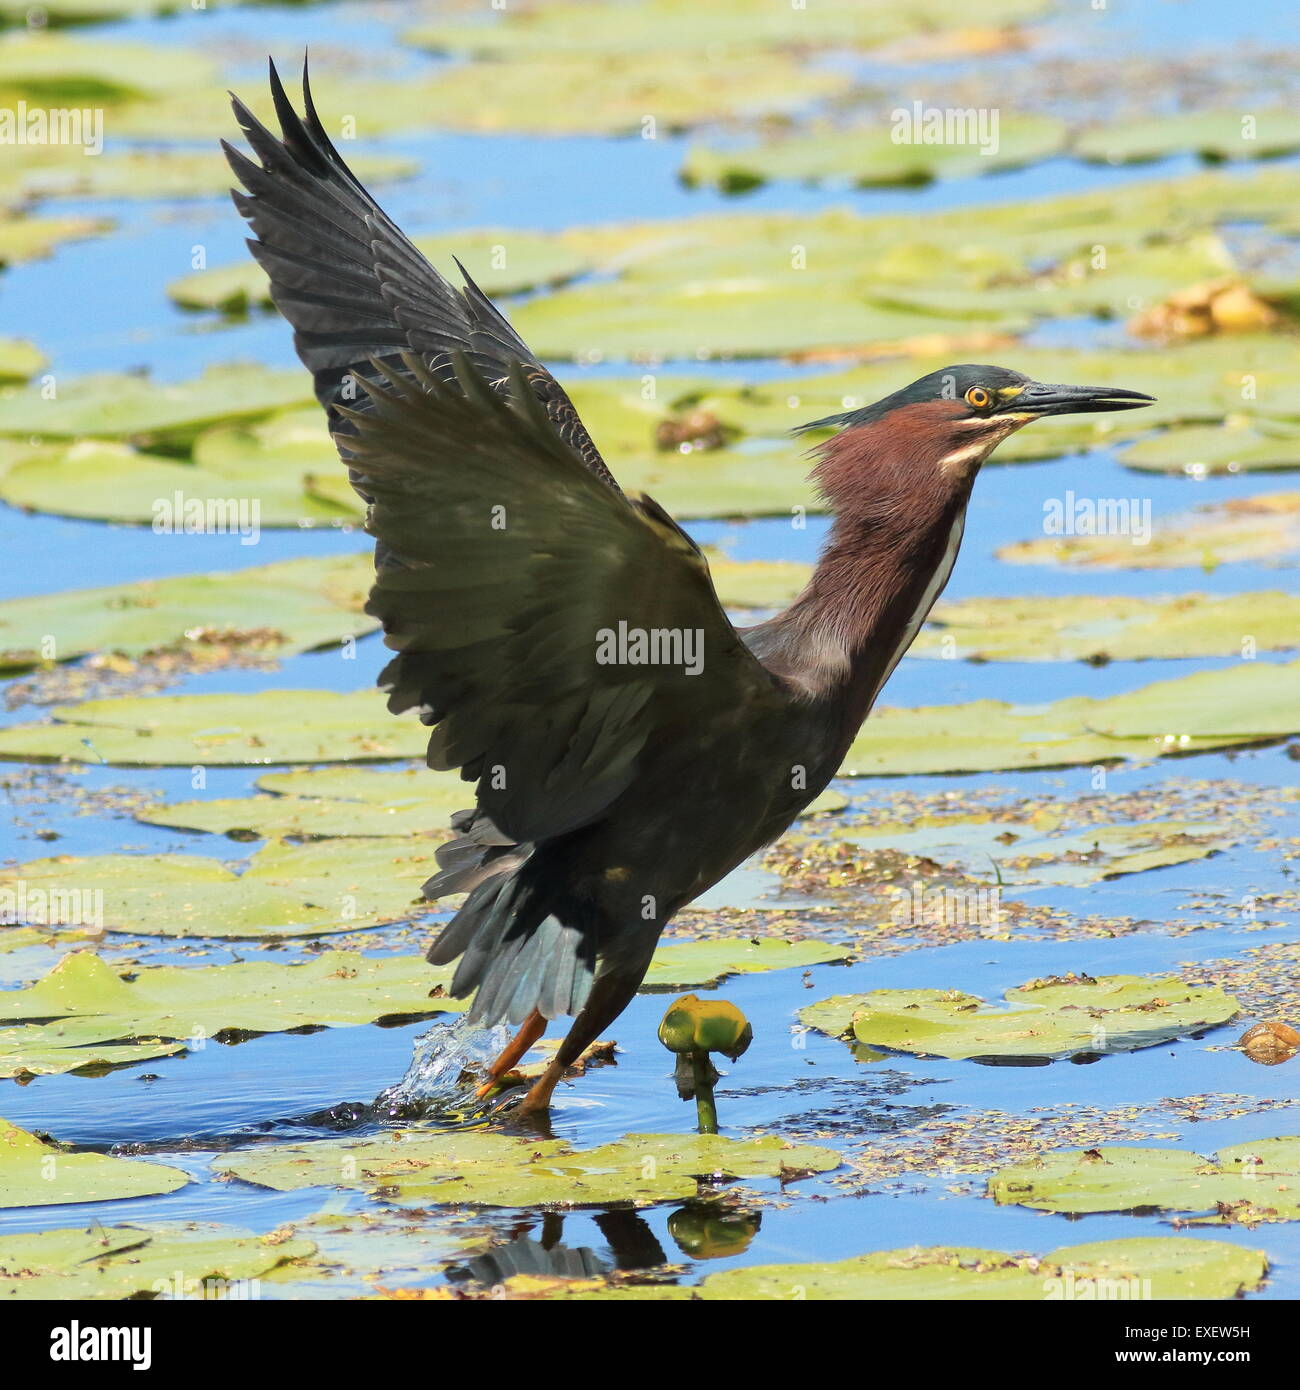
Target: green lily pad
[
  {"x": 43, "y": 1052},
  {"x": 703, "y": 964},
  {"x": 1244, "y": 528},
  {"x": 283, "y": 890},
  {"x": 770, "y": 482},
  {"x": 25, "y": 238},
  {"x": 838, "y": 283},
  {"x": 19, "y": 360},
  {"x": 35, "y": 1173},
  {"x": 139, "y": 1261},
  {"x": 1134, "y": 272},
  {"x": 1048, "y": 1020},
  {"x": 66, "y": 171},
  {"x": 1142, "y": 1267},
  {"x": 992, "y": 735},
  {"x": 62, "y": 68},
  {"x": 84, "y": 1001},
  {"x": 299, "y": 605},
  {"x": 486, "y": 1168},
  {"x": 1215, "y": 135},
  {"x": 870, "y": 156},
  {"x": 1246, "y": 1183},
  {"x": 666, "y": 27},
  {"x": 328, "y": 802},
  {"x": 500, "y": 261},
  {"x": 760, "y": 313},
  {"x": 1212, "y": 449},
  {"x": 1247, "y": 700},
  {"x": 1099, "y": 628},
  {"x": 106, "y": 481},
  {"x": 569, "y": 95},
  {"x": 757, "y": 583},
  {"x": 283, "y": 726},
  {"x": 123, "y": 406},
  {"x": 1022, "y": 854}
]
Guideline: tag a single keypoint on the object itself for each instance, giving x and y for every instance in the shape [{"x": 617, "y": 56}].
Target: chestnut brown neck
[{"x": 898, "y": 519}]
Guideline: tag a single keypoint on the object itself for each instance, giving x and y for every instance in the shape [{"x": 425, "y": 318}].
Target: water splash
[{"x": 446, "y": 1064}]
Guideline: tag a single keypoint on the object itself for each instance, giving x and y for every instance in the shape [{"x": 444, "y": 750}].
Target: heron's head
[{"x": 935, "y": 433}]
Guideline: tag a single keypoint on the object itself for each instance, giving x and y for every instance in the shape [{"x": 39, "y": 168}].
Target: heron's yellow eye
[{"x": 979, "y": 398}]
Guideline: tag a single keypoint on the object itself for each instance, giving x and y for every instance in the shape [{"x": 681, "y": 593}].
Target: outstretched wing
[
  {"x": 517, "y": 587},
  {"x": 553, "y": 630},
  {"x": 354, "y": 287}
]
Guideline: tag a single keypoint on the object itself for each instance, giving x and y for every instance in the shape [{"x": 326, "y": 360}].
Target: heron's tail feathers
[
  {"x": 479, "y": 852},
  {"x": 519, "y": 947}
]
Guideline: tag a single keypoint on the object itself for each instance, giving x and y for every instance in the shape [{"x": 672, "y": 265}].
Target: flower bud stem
[{"x": 705, "y": 1110}]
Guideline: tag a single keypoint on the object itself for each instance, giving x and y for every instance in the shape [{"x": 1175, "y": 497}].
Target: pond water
[{"x": 100, "y": 305}]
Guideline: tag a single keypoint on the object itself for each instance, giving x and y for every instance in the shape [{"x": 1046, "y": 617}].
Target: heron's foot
[
  {"x": 532, "y": 1028},
  {"x": 538, "y": 1099}
]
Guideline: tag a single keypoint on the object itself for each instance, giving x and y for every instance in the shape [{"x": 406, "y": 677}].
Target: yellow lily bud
[{"x": 705, "y": 1025}]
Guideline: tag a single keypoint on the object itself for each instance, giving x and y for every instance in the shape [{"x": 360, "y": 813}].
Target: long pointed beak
[{"x": 1042, "y": 399}]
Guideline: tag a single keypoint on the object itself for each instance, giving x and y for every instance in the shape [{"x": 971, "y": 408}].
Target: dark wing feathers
[
  {"x": 352, "y": 284},
  {"x": 504, "y": 549},
  {"x": 514, "y": 561}
]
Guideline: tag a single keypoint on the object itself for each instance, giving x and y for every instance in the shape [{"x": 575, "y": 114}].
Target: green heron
[{"x": 629, "y": 745}]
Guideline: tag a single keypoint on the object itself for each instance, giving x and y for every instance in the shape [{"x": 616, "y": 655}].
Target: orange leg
[
  {"x": 533, "y": 1027},
  {"x": 609, "y": 997}
]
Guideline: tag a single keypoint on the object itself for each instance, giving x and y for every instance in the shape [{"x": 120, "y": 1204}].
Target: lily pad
[
  {"x": 62, "y": 68},
  {"x": 139, "y": 1261},
  {"x": 1023, "y": 855},
  {"x": 1143, "y": 1267},
  {"x": 500, "y": 261},
  {"x": 19, "y": 359},
  {"x": 871, "y": 156},
  {"x": 25, "y": 238},
  {"x": 106, "y": 481},
  {"x": 326, "y": 803},
  {"x": 36, "y": 1173},
  {"x": 757, "y": 583},
  {"x": 299, "y": 605},
  {"x": 1049, "y": 1020},
  {"x": 703, "y": 964},
  {"x": 761, "y": 313},
  {"x": 283, "y": 890},
  {"x": 1243, "y": 528},
  {"x": 1247, "y": 1183},
  {"x": 626, "y": 93},
  {"x": 1215, "y": 135},
  {"x": 835, "y": 283},
  {"x": 124, "y": 406},
  {"x": 283, "y": 726},
  {"x": 1251, "y": 699},
  {"x": 42, "y": 1052},
  {"x": 666, "y": 27},
  {"x": 84, "y": 1001},
  {"x": 992, "y": 735},
  {"x": 1097, "y": 628},
  {"x": 66, "y": 171},
  {"x": 486, "y": 1168},
  {"x": 1213, "y": 449}
]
